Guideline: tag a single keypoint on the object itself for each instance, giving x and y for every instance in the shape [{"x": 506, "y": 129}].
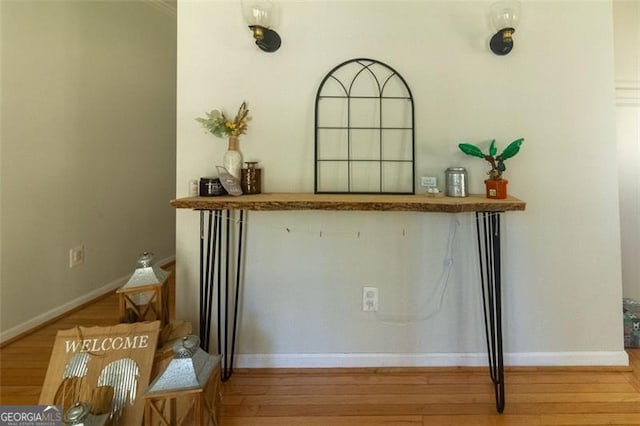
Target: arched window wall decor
[{"x": 364, "y": 131}]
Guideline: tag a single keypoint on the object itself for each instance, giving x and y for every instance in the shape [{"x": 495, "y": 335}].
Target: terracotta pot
[{"x": 496, "y": 188}]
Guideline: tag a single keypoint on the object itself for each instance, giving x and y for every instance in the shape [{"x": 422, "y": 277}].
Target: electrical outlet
[
  {"x": 369, "y": 299},
  {"x": 429, "y": 181},
  {"x": 76, "y": 256}
]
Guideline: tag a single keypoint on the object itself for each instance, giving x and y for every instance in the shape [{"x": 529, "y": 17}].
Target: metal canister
[{"x": 456, "y": 182}]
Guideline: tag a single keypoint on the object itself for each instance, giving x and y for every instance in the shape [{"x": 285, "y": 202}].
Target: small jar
[
  {"x": 456, "y": 182},
  {"x": 251, "y": 181}
]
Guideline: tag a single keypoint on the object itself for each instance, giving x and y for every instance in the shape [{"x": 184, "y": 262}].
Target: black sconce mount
[
  {"x": 266, "y": 39},
  {"x": 502, "y": 42}
]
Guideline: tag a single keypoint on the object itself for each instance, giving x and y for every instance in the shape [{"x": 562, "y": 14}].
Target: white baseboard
[
  {"x": 70, "y": 305},
  {"x": 561, "y": 359}
]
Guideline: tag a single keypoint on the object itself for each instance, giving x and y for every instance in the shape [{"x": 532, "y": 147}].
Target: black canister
[{"x": 210, "y": 186}]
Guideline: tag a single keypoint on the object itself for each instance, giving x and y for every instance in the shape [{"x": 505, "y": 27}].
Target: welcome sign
[
  {"x": 85, "y": 360},
  {"x": 107, "y": 344}
]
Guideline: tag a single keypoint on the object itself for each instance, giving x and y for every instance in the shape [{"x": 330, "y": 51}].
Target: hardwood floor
[
  {"x": 369, "y": 397},
  {"x": 444, "y": 397}
]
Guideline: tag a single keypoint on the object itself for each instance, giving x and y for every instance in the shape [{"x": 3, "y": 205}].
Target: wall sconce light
[
  {"x": 259, "y": 16},
  {"x": 505, "y": 16}
]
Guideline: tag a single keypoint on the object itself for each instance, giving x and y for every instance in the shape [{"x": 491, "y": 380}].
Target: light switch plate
[{"x": 429, "y": 181}]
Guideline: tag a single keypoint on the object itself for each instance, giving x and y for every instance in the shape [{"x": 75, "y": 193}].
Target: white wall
[
  {"x": 302, "y": 291},
  {"x": 88, "y": 150},
  {"x": 627, "y": 67}
]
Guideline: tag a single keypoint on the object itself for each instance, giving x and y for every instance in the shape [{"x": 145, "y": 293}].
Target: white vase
[{"x": 232, "y": 160}]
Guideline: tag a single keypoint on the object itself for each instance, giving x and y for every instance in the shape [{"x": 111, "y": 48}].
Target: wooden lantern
[
  {"x": 187, "y": 392},
  {"x": 145, "y": 297}
]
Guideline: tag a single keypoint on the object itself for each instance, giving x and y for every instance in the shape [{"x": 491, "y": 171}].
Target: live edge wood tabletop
[{"x": 351, "y": 202}]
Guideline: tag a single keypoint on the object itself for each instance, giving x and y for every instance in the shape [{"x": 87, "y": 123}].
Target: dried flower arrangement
[{"x": 218, "y": 124}]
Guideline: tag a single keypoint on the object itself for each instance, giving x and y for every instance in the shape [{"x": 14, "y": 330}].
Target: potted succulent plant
[{"x": 496, "y": 186}]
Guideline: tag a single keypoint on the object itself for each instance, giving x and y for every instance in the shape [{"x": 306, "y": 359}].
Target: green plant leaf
[
  {"x": 472, "y": 150},
  {"x": 492, "y": 148},
  {"x": 512, "y": 149}
]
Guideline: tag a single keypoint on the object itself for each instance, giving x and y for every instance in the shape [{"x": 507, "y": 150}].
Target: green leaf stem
[
  {"x": 472, "y": 150},
  {"x": 493, "y": 150},
  {"x": 512, "y": 149}
]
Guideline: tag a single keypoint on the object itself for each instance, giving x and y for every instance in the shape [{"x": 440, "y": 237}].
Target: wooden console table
[{"x": 219, "y": 266}]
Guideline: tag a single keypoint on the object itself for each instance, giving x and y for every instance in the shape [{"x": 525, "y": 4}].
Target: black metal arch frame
[{"x": 369, "y": 66}]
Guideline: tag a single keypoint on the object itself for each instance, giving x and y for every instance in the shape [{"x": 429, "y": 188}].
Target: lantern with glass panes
[
  {"x": 145, "y": 297},
  {"x": 188, "y": 390}
]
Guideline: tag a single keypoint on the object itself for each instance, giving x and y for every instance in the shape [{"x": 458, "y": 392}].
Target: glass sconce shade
[
  {"x": 505, "y": 17},
  {"x": 259, "y": 14},
  {"x": 505, "y": 14}
]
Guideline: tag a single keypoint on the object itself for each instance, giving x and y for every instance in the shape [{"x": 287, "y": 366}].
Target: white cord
[{"x": 439, "y": 291}]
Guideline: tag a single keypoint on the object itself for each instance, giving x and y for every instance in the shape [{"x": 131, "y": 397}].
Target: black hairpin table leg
[
  {"x": 488, "y": 232},
  {"x": 219, "y": 271}
]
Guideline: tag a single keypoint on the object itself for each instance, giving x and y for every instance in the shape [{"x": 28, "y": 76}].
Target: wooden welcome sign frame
[{"x": 134, "y": 343}]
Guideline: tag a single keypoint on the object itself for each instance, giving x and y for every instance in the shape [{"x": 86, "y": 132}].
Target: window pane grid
[{"x": 364, "y": 120}]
